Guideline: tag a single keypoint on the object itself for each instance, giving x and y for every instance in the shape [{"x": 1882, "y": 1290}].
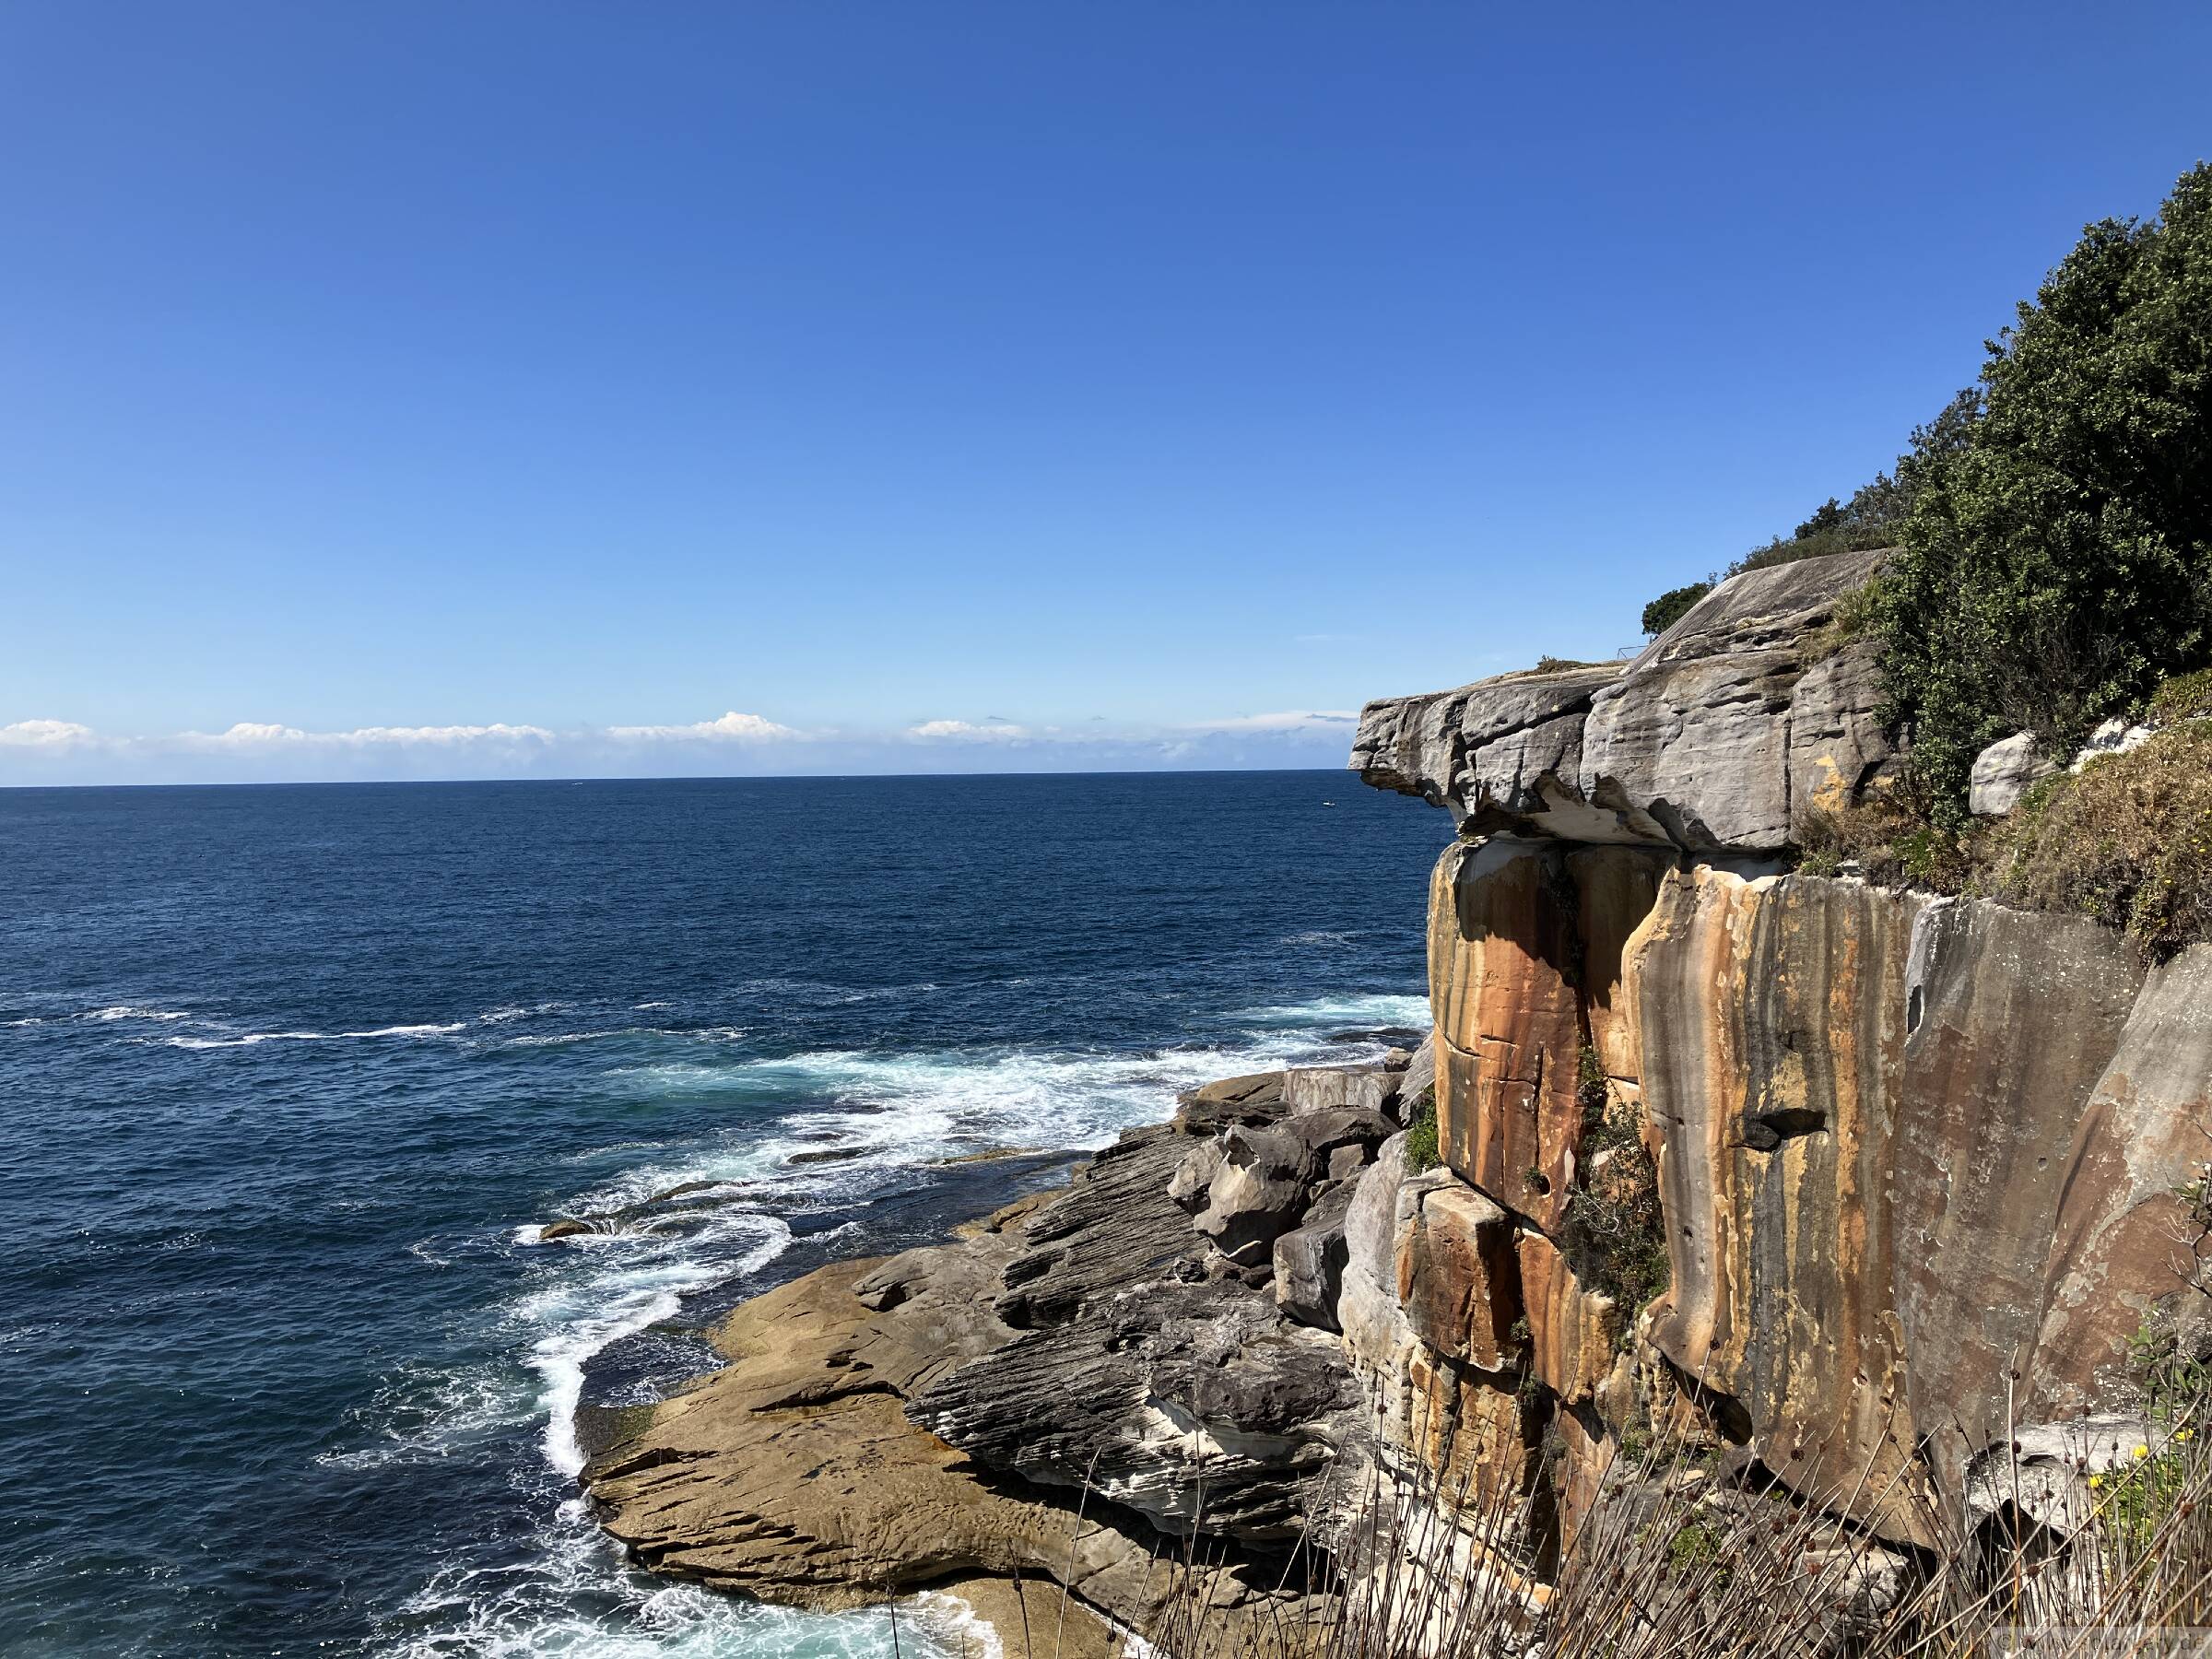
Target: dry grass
[{"x": 2127, "y": 840}]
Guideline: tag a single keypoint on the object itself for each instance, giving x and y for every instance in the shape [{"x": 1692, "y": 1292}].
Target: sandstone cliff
[{"x": 1912, "y": 1163}]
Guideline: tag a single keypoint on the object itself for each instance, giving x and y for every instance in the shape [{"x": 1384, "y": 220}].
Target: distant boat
[{"x": 1328, "y": 803}]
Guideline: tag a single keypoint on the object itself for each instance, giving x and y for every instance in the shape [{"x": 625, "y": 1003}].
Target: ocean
[{"x": 292, "y": 1077}]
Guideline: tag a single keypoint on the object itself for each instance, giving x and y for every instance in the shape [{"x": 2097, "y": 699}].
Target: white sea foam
[
  {"x": 642, "y": 1282},
  {"x": 125, "y": 1011},
  {"x": 1375, "y": 1009},
  {"x": 250, "y": 1038},
  {"x": 576, "y": 1597}
]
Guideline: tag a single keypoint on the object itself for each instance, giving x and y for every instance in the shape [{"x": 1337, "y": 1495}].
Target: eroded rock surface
[{"x": 1717, "y": 736}]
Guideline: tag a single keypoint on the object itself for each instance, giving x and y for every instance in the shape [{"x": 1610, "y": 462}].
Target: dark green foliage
[
  {"x": 1421, "y": 1150},
  {"x": 1671, "y": 606},
  {"x": 2059, "y": 549},
  {"x": 1554, "y": 664}
]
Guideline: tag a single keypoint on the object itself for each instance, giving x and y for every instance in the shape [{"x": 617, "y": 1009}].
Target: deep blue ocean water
[{"x": 291, "y": 1076}]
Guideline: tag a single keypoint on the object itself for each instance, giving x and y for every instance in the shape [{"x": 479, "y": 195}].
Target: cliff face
[{"x": 1914, "y": 1161}]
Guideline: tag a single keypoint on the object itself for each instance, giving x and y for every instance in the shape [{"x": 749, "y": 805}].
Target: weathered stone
[
  {"x": 1863, "y": 1166},
  {"x": 2124, "y": 1247},
  {"x": 1313, "y": 1088},
  {"x": 1715, "y": 736},
  {"x": 1251, "y": 1101},
  {"x": 2003, "y": 773},
  {"x": 1458, "y": 1280},
  {"x": 1115, "y": 1226},
  {"x": 1194, "y": 1175},
  {"x": 1310, "y": 1258},
  {"x": 1484, "y": 749},
  {"x": 1348, "y": 1161},
  {"x": 1189, "y": 1404},
  {"x": 792, "y": 1474},
  {"x": 1574, "y": 1334},
  {"x": 1451, "y": 1426},
  {"x": 1265, "y": 1178},
  {"x": 1525, "y": 964}
]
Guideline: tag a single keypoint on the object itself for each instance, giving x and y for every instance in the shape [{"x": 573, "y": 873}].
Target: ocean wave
[
  {"x": 566, "y": 1039},
  {"x": 575, "y": 1594},
  {"x": 252, "y": 1038},
  {"x": 1369, "y": 1009},
  {"x": 621, "y": 1292},
  {"x": 125, "y": 1011}
]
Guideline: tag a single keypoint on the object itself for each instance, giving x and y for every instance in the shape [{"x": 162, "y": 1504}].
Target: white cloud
[
  {"x": 46, "y": 734},
  {"x": 1286, "y": 720},
  {"x": 256, "y": 736},
  {"x": 961, "y": 731},
  {"x": 732, "y": 727}
]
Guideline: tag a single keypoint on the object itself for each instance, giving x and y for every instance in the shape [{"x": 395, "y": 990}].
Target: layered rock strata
[{"x": 1092, "y": 1379}]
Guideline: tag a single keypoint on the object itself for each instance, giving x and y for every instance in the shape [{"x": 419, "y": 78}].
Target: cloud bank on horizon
[{"x": 51, "y": 751}]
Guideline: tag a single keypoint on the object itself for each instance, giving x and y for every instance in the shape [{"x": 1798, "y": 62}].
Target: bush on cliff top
[
  {"x": 2058, "y": 558},
  {"x": 2127, "y": 840},
  {"x": 1671, "y": 606},
  {"x": 2056, "y": 528}
]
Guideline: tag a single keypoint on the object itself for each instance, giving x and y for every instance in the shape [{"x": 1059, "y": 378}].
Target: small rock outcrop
[
  {"x": 2004, "y": 772},
  {"x": 1102, "y": 1348}
]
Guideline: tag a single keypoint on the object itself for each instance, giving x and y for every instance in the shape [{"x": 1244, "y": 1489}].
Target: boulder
[
  {"x": 1194, "y": 1175},
  {"x": 1265, "y": 1178},
  {"x": 1251, "y": 1101},
  {"x": 1312, "y": 1087},
  {"x": 1309, "y": 1260},
  {"x": 2003, "y": 773},
  {"x": 1458, "y": 1278},
  {"x": 1348, "y": 1161}
]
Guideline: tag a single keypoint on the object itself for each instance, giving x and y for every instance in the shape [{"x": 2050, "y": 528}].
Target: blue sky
[{"x": 407, "y": 389}]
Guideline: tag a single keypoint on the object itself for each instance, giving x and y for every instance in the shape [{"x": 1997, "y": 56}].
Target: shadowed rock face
[
  {"x": 1724, "y": 730},
  {"x": 1525, "y": 962}
]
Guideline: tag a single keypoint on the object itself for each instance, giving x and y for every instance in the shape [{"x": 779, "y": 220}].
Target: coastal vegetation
[{"x": 2053, "y": 570}]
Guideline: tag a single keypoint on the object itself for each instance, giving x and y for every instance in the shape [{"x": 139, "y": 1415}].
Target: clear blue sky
[{"x": 936, "y": 386}]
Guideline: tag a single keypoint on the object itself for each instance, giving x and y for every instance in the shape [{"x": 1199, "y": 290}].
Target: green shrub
[
  {"x": 2059, "y": 558},
  {"x": 1615, "y": 1232},
  {"x": 1421, "y": 1150},
  {"x": 1671, "y": 606},
  {"x": 2127, "y": 840}
]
